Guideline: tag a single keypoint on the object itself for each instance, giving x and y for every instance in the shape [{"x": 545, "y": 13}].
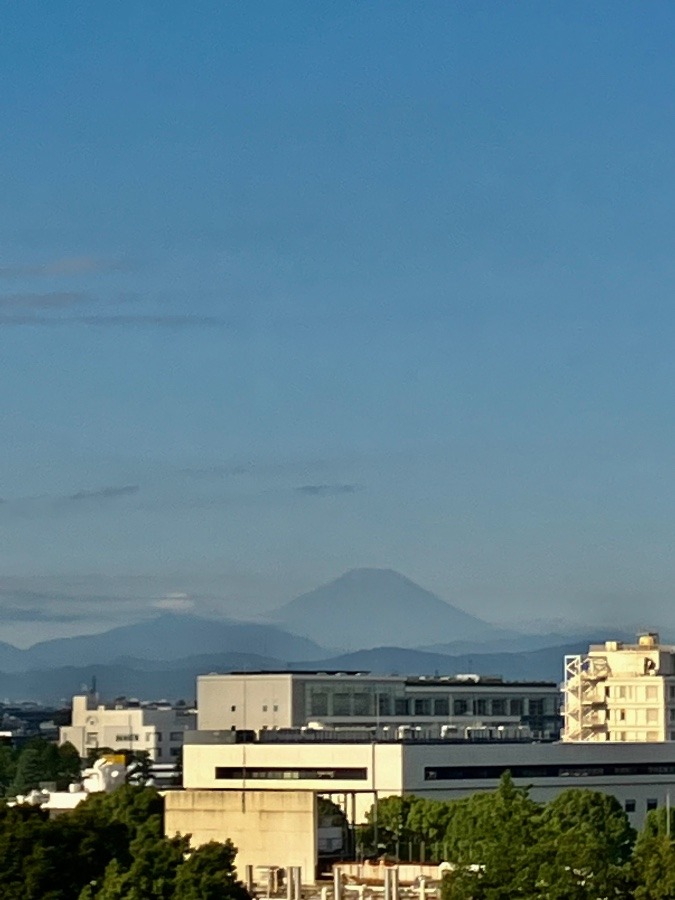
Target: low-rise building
[
  {"x": 157, "y": 728},
  {"x": 260, "y": 701},
  {"x": 640, "y": 776}
]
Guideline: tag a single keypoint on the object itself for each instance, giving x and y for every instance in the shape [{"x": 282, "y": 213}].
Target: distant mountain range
[
  {"x": 378, "y": 620},
  {"x": 376, "y": 607},
  {"x": 176, "y": 679},
  {"x": 168, "y": 637}
]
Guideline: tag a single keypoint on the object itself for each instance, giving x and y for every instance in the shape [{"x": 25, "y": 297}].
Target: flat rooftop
[{"x": 457, "y": 680}]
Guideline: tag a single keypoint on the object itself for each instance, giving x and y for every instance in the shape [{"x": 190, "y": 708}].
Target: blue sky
[{"x": 287, "y": 289}]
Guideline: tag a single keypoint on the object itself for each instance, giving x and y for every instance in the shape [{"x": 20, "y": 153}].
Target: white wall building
[
  {"x": 642, "y": 777},
  {"x": 621, "y": 693},
  {"x": 271, "y": 700},
  {"x": 154, "y": 728}
]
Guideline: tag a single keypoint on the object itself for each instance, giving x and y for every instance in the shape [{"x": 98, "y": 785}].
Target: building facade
[
  {"x": 156, "y": 728},
  {"x": 259, "y": 701},
  {"x": 621, "y": 693},
  {"x": 640, "y": 776}
]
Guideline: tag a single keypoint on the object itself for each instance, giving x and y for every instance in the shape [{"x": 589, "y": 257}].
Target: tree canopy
[{"x": 110, "y": 847}]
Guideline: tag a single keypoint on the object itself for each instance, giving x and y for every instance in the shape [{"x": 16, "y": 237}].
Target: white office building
[
  {"x": 642, "y": 777},
  {"x": 158, "y": 729},
  {"x": 621, "y": 693},
  {"x": 259, "y": 701}
]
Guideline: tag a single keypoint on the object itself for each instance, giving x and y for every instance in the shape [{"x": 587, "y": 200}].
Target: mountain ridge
[{"x": 371, "y": 607}]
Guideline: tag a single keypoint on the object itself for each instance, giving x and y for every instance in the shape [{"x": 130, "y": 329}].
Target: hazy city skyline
[{"x": 289, "y": 289}]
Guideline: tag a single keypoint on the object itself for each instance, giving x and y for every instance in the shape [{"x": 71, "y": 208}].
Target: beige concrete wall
[
  {"x": 244, "y": 702},
  {"x": 380, "y": 765},
  {"x": 269, "y": 828}
]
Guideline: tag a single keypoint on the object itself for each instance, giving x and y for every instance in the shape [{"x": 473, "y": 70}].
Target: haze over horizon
[{"x": 288, "y": 290}]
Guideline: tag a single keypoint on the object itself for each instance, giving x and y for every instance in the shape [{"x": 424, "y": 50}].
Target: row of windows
[
  {"x": 575, "y": 770},
  {"x": 226, "y": 773},
  {"x": 92, "y": 737},
  {"x": 628, "y": 692},
  {"x": 651, "y": 716},
  {"x": 650, "y": 736},
  {"x": 355, "y": 704},
  {"x": 630, "y": 805}
]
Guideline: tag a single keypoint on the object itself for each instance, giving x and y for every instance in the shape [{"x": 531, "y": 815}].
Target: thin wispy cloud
[
  {"x": 53, "y": 300},
  {"x": 34, "y": 614},
  {"x": 66, "y": 266},
  {"x": 327, "y": 490},
  {"x": 118, "y": 321},
  {"x": 297, "y": 467},
  {"x": 106, "y": 493}
]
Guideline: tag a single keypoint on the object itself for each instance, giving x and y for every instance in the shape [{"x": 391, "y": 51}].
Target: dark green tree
[
  {"x": 29, "y": 772},
  {"x": 387, "y": 824},
  {"x": 8, "y": 758},
  {"x": 586, "y": 843},
  {"x": 653, "y": 863},
  {"x": 209, "y": 874},
  {"x": 493, "y": 836}
]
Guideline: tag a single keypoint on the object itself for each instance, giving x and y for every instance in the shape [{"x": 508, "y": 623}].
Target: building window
[
  {"x": 629, "y": 806},
  {"x": 652, "y": 736},
  {"x": 516, "y": 706},
  {"x": 400, "y": 706},
  {"x": 442, "y": 707},
  {"x": 652, "y": 716},
  {"x": 499, "y": 707},
  {"x": 536, "y": 707},
  {"x": 461, "y": 707},
  {"x": 422, "y": 706},
  {"x": 384, "y": 704},
  {"x": 652, "y": 692},
  {"x": 233, "y": 709},
  {"x": 92, "y": 737},
  {"x": 265, "y": 707},
  {"x": 671, "y": 691},
  {"x": 275, "y": 708},
  {"x": 652, "y": 803},
  {"x": 481, "y": 707},
  {"x": 126, "y": 737},
  {"x": 342, "y": 705},
  {"x": 622, "y": 715},
  {"x": 159, "y": 737},
  {"x": 318, "y": 703},
  {"x": 362, "y": 705},
  {"x": 175, "y": 735},
  {"x": 175, "y": 751}
]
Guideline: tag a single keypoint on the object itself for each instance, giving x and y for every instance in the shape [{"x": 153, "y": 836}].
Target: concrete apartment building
[
  {"x": 621, "y": 692},
  {"x": 259, "y": 701},
  {"x": 126, "y": 725}
]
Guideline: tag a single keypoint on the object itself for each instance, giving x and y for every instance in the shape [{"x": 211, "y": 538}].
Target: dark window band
[
  {"x": 574, "y": 770},
  {"x": 224, "y": 773}
]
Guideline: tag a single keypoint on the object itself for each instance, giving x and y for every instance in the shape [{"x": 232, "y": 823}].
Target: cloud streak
[
  {"x": 64, "y": 267},
  {"x": 117, "y": 321},
  {"x": 106, "y": 493},
  {"x": 327, "y": 490},
  {"x": 51, "y": 300}
]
